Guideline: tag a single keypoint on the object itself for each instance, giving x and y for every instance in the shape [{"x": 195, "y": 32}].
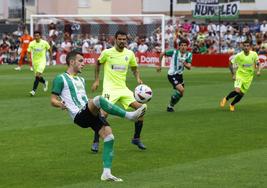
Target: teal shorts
[{"x": 123, "y": 96}]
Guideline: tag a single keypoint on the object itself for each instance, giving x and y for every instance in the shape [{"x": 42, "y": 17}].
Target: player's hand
[
  {"x": 233, "y": 77},
  {"x": 258, "y": 73},
  {"x": 95, "y": 86},
  {"x": 63, "y": 106}
]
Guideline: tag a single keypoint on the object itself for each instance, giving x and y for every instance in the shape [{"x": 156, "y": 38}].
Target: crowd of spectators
[
  {"x": 218, "y": 38},
  {"x": 203, "y": 38}
]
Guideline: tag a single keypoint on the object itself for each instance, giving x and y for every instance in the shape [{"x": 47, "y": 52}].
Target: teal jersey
[
  {"x": 177, "y": 61},
  {"x": 71, "y": 89}
]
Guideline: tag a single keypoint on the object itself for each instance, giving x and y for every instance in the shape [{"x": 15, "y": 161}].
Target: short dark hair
[
  {"x": 37, "y": 32},
  {"x": 247, "y": 41},
  {"x": 120, "y": 32},
  {"x": 72, "y": 55},
  {"x": 183, "y": 41}
]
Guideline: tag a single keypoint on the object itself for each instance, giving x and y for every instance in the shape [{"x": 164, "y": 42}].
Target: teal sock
[
  {"x": 108, "y": 151},
  {"x": 111, "y": 108},
  {"x": 175, "y": 98}
]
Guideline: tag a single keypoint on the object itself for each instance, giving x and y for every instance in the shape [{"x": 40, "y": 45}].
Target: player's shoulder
[
  {"x": 188, "y": 53},
  {"x": 127, "y": 51},
  {"x": 81, "y": 78},
  {"x": 108, "y": 50},
  {"x": 33, "y": 42},
  {"x": 59, "y": 76},
  {"x": 239, "y": 54},
  {"x": 44, "y": 41},
  {"x": 253, "y": 53}
]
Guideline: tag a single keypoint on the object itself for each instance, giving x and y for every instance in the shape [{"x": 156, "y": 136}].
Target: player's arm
[
  {"x": 29, "y": 56},
  {"x": 56, "y": 102},
  {"x": 188, "y": 62},
  {"x": 50, "y": 53},
  {"x": 187, "y": 65},
  {"x": 232, "y": 69},
  {"x": 136, "y": 74},
  {"x": 49, "y": 49},
  {"x": 57, "y": 88},
  {"x": 29, "y": 51},
  {"x": 97, "y": 72},
  {"x": 162, "y": 54},
  {"x": 257, "y": 65}
]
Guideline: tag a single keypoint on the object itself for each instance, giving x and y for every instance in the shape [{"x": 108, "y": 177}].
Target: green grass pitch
[{"x": 200, "y": 145}]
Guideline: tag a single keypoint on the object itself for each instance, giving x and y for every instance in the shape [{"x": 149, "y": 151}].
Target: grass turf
[{"x": 199, "y": 145}]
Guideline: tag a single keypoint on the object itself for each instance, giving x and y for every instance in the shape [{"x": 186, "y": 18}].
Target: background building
[{"x": 11, "y": 10}]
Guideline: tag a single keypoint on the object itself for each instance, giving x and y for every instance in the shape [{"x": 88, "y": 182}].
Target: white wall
[
  {"x": 1, "y": 9},
  {"x": 96, "y": 7},
  {"x": 156, "y": 6}
]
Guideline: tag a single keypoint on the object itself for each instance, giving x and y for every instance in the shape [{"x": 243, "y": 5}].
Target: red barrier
[
  {"x": 148, "y": 58},
  {"x": 211, "y": 60},
  {"x": 152, "y": 59}
]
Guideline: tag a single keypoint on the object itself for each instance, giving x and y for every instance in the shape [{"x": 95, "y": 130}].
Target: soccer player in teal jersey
[
  {"x": 181, "y": 59},
  {"x": 69, "y": 93},
  {"x": 247, "y": 63},
  {"x": 37, "y": 50},
  {"x": 116, "y": 61}
]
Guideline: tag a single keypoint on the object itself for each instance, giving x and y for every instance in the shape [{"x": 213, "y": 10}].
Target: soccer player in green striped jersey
[
  {"x": 247, "y": 63},
  {"x": 68, "y": 92},
  {"x": 116, "y": 61},
  {"x": 181, "y": 59}
]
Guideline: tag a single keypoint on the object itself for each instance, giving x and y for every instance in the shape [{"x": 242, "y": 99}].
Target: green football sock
[
  {"x": 108, "y": 151},
  {"x": 111, "y": 108},
  {"x": 175, "y": 98}
]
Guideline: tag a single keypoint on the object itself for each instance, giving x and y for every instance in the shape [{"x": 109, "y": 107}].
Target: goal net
[{"x": 93, "y": 33}]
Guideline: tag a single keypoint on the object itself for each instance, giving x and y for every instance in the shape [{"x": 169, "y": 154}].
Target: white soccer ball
[{"x": 143, "y": 93}]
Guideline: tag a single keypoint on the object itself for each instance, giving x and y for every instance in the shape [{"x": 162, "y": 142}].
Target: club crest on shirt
[{"x": 126, "y": 58}]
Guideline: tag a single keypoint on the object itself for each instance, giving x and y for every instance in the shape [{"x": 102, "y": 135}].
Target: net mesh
[{"x": 97, "y": 29}]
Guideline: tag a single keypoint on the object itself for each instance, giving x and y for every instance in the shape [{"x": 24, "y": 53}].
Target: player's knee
[
  {"x": 106, "y": 133},
  {"x": 178, "y": 94},
  {"x": 238, "y": 90},
  {"x": 181, "y": 91},
  {"x": 96, "y": 101}
]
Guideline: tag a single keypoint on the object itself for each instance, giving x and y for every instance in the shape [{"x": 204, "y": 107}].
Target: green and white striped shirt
[
  {"x": 71, "y": 89},
  {"x": 177, "y": 61}
]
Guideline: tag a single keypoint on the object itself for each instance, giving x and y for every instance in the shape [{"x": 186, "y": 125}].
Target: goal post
[{"x": 103, "y": 27}]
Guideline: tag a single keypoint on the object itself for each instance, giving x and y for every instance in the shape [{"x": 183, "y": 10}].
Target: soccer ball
[{"x": 143, "y": 93}]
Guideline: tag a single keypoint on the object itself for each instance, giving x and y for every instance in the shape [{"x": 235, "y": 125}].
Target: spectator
[
  {"x": 86, "y": 47},
  {"x": 255, "y": 27},
  {"x": 195, "y": 28},
  {"x": 142, "y": 48},
  {"x": 263, "y": 27},
  {"x": 66, "y": 44},
  {"x": 186, "y": 26}
]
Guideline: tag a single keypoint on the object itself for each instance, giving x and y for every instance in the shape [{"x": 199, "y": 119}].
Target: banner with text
[
  {"x": 213, "y": 9},
  {"x": 151, "y": 59}
]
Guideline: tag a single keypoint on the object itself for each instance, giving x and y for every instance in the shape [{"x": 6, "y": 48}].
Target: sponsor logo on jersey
[
  {"x": 118, "y": 67},
  {"x": 247, "y": 65}
]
